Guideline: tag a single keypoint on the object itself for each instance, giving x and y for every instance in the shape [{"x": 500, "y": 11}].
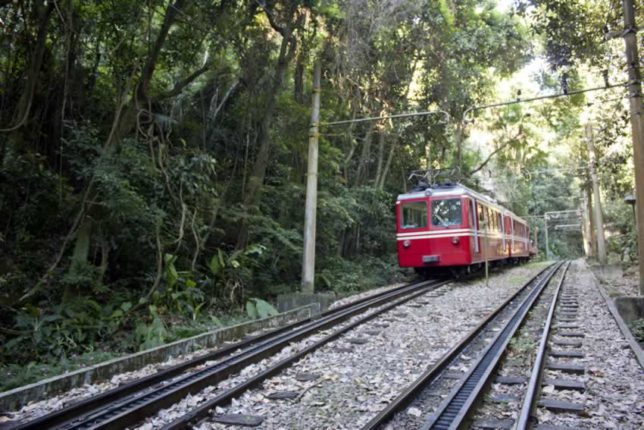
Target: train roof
[{"x": 444, "y": 190}]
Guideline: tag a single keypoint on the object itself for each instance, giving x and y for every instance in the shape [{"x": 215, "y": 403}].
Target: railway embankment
[
  {"x": 620, "y": 288},
  {"x": 370, "y": 357},
  {"x": 614, "y": 379},
  {"x": 75, "y": 385}
]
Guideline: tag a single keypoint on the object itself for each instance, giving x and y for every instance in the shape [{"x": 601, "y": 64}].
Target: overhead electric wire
[{"x": 475, "y": 108}]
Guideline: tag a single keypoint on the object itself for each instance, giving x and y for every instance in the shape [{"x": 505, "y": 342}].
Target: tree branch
[
  {"x": 496, "y": 151},
  {"x": 180, "y": 85},
  {"x": 271, "y": 20},
  {"x": 153, "y": 56}
]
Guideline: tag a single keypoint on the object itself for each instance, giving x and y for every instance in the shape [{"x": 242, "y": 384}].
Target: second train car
[{"x": 450, "y": 226}]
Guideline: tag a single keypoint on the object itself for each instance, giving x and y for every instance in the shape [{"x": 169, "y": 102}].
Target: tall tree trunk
[
  {"x": 256, "y": 180},
  {"x": 385, "y": 171},
  {"x": 23, "y": 107},
  {"x": 381, "y": 155},
  {"x": 141, "y": 99},
  {"x": 591, "y": 221},
  {"x": 298, "y": 79},
  {"x": 459, "y": 135},
  {"x": 365, "y": 154}
]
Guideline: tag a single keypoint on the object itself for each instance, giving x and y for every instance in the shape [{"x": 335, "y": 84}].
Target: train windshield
[
  {"x": 446, "y": 212},
  {"x": 414, "y": 215}
]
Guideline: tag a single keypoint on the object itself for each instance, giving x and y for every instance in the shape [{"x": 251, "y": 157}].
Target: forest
[{"x": 153, "y": 154}]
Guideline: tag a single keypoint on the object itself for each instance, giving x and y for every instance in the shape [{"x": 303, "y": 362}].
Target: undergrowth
[
  {"x": 80, "y": 331},
  {"x": 637, "y": 328}
]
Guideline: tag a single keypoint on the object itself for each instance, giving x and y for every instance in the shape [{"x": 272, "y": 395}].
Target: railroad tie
[
  {"x": 493, "y": 423},
  {"x": 511, "y": 380},
  {"x": 239, "y": 419},
  {"x": 567, "y": 342},
  {"x": 571, "y": 334},
  {"x": 561, "y": 406},
  {"x": 504, "y": 398},
  {"x": 282, "y": 395},
  {"x": 553, "y": 427},
  {"x": 566, "y": 384},
  {"x": 566, "y": 325},
  {"x": 567, "y": 353},
  {"x": 566, "y": 367}
]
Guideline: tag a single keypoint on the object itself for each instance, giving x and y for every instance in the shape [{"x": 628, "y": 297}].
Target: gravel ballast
[
  {"x": 364, "y": 370},
  {"x": 348, "y": 381},
  {"x": 614, "y": 396}
]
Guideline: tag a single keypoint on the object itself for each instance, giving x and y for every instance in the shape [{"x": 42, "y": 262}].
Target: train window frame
[
  {"x": 481, "y": 214},
  {"x": 471, "y": 213},
  {"x": 451, "y": 225},
  {"x": 424, "y": 218}
]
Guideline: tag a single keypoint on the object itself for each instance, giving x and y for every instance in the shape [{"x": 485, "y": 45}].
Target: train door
[
  {"x": 473, "y": 223},
  {"x": 512, "y": 250},
  {"x": 482, "y": 227},
  {"x": 503, "y": 242}
]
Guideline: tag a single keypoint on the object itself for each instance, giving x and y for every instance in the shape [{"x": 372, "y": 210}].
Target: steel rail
[
  {"x": 224, "y": 398},
  {"x": 456, "y": 407},
  {"x": 529, "y": 402},
  {"x": 92, "y": 404},
  {"x": 431, "y": 373},
  {"x": 134, "y": 408}
]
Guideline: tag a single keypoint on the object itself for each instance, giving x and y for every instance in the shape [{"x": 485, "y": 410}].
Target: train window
[
  {"x": 446, "y": 212},
  {"x": 414, "y": 215}
]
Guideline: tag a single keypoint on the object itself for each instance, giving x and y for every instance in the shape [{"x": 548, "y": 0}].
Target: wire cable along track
[
  {"x": 456, "y": 407},
  {"x": 129, "y": 404}
]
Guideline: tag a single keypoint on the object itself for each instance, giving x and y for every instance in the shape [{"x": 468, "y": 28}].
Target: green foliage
[
  {"x": 71, "y": 328},
  {"x": 348, "y": 277},
  {"x": 17, "y": 375},
  {"x": 620, "y": 223},
  {"x": 572, "y": 28},
  {"x": 258, "y": 308},
  {"x": 637, "y": 328},
  {"x": 151, "y": 334},
  {"x": 140, "y": 204}
]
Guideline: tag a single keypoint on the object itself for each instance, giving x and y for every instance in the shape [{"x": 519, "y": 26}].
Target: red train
[{"x": 452, "y": 226}]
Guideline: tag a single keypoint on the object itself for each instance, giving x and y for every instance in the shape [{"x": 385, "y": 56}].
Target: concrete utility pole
[
  {"x": 637, "y": 124},
  {"x": 597, "y": 208},
  {"x": 308, "y": 258},
  {"x": 588, "y": 225},
  {"x": 545, "y": 225}
]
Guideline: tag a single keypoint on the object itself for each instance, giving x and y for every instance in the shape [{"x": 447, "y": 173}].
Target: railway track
[
  {"x": 447, "y": 394},
  {"x": 131, "y": 403}
]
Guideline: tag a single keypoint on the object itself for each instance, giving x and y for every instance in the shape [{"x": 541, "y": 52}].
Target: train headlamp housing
[
  {"x": 406, "y": 243},
  {"x": 456, "y": 240}
]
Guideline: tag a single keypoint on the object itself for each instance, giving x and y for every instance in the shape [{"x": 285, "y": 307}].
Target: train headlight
[
  {"x": 407, "y": 243},
  {"x": 456, "y": 240}
]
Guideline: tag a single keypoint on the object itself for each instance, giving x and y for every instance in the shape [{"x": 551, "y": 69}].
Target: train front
[{"x": 432, "y": 230}]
